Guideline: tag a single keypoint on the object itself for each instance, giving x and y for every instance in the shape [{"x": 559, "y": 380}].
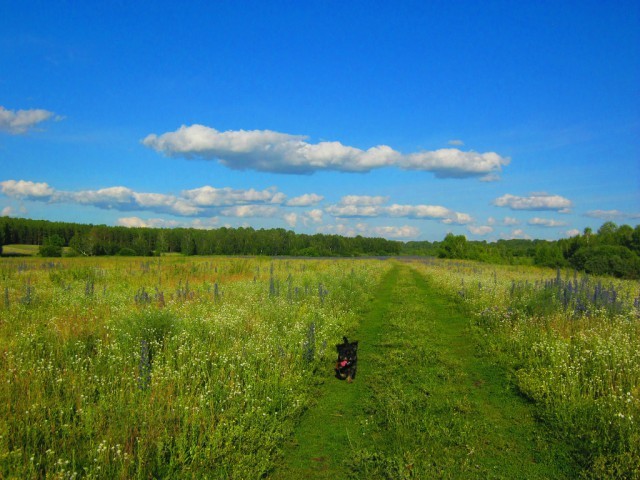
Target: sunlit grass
[
  {"x": 124, "y": 368},
  {"x": 577, "y": 355}
]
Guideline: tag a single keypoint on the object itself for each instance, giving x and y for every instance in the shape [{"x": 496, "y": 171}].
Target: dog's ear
[{"x": 345, "y": 340}]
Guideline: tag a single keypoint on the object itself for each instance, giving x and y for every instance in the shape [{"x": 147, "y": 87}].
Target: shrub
[{"x": 50, "y": 251}]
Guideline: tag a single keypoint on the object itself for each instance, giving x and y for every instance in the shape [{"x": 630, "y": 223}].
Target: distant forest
[
  {"x": 104, "y": 240},
  {"x": 612, "y": 250}
]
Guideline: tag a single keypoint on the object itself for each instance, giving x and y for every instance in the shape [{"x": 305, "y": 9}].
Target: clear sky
[{"x": 406, "y": 120}]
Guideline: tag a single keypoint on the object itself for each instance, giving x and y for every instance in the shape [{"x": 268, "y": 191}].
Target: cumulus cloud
[
  {"x": 315, "y": 215},
  {"x": 25, "y": 189},
  {"x": 537, "y": 201},
  {"x": 510, "y": 221},
  {"x": 208, "y": 196},
  {"x": 606, "y": 214},
  {"x": 203, "y": 201},
  {"x": 456, "y": 143},
  {"x": 454, "y": 163},
  {"x": 433, "y": 212},
  {"x": 269, "y": 151},
  {"x": 572, "y": 233},
  {"x": 7, "y": 212},
  {"x": 480, "y": 230},
  {"x": 354, "y": 211},
  {"x": 342, "y": 229},
  {"x": 518, "y": 233},
  {"x": 361, "y": 228},
  {"x": 305, "y": 200},
  {"x": 362, "y": 200},
  {"x": 20, "y": 121},
  {"x": 249, "y": 211},
  {"x": 307, "y": 218},
  {"x": 291, "y": 219},
  {"x": 546, "y": 222},
  {"x": 405, "y": 231}
]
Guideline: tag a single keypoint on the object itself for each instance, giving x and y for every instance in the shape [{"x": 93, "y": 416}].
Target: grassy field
[
  {"x": 20, "y": 250},
  {"x": 177, "y": 367}
]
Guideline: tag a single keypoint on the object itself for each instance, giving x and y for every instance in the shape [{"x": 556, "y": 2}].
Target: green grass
[
  {"x": 324, "y": 435},
  {"x": 20, "y": 250},
  {"x": 424, "y": 405}
]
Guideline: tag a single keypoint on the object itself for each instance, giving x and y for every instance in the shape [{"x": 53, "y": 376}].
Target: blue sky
[{"x": 406, "y": 120}]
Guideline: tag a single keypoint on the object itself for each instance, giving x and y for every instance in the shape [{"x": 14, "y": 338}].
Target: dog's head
[{"x": 348, "y": 350}]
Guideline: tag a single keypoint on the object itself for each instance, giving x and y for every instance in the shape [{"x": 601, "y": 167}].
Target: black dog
[{"x": 347, "y": 360}]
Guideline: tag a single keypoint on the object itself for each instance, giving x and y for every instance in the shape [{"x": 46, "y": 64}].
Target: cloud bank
[
  {"x": 269, "y": 151},
  {"x": 17, "y": 122},
  {"x": 203, "y": 201}
]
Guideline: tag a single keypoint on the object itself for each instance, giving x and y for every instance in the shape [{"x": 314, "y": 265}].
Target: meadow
[
  {"x": 171, "y": 367},
  {"x": 203, "y": 367},
  {"x": 572, "y": 345}
]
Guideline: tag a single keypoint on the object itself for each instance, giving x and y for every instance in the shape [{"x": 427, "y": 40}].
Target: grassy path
[{"x": 424, "y": 404}]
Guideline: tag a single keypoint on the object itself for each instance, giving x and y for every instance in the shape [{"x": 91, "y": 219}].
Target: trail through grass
[{"x": 425, "y": 404}]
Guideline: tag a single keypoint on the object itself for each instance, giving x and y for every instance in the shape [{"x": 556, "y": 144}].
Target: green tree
[
  {"x": 51, "y": 246},
  {"x": 453, "y": 246},
  {"x": 549, "y": 255}
]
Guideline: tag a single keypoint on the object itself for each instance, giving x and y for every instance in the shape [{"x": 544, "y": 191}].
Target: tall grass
[
  {"x": 137, "y": 368},
  {"x": 574, "y": 345}
]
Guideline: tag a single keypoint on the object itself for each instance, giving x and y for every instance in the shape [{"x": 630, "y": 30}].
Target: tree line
[
  {"x": 90, "y": 240},
  {"x": 612, "y": 250}
]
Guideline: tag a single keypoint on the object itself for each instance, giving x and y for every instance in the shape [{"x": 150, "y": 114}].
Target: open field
[{"x": 220, "y": 367}]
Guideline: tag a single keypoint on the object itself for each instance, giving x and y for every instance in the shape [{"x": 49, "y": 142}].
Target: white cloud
[
  {"x": 480, "y": 230},
  {"x": 339, "y": 229},
  {"x": 405, "y": 231},
  {"x": 572, "y": 233},
  {"x": 546, "y": 222},
  {"x": 243, "y": 211},
  {"x": 208, "y": 196},
  {"x": 354, "y": 211},
  {"x": 305, "y": 200},
  {"x": 162, "y": 202},
  {"x": 362, "y": 200},
  {"x": 454, "y": 163},
  {"x": 205, "y": 224},
  {"x": 104, "y": 197},
  {"x": 456, "y": 143},
  {"x": 26, "y": 189},
  {"x": 7, "y": 212},
  {"x": 314, "y": 215},
  {"x": 605, "y": 214},
  {"x": 269, "y": 151},
  {"x": 434, "y": 212},
  {"x": 538, "y": 201},
  {"x": 206, "y": 200},
  {"x": 137, "y": 222},
  {"x": 510, "y": 221},
  {"x": 19, "y": 121},
  {"x": 518, "y": 233},
  {"x": 291, "y": 219},
  {"x": 361, "y": 228},
  {"x": 307, "y": 218}
]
